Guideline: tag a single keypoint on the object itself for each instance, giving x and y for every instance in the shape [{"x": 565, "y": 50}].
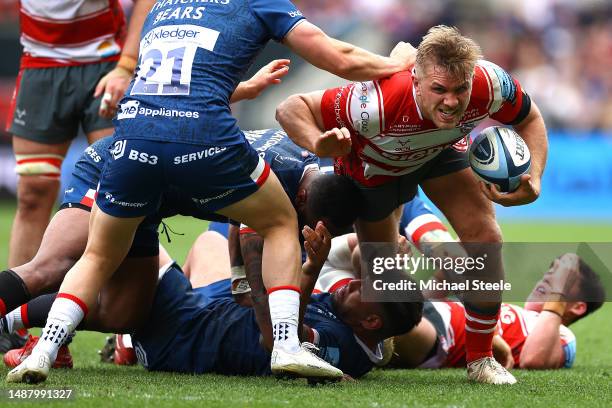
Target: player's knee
[{"x": 487, "y": 232}]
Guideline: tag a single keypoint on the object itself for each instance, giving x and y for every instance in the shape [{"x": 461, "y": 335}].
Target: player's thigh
[
  {"x": 62, "y": 245},
  {"x": 266, "y": 208},
  {"x": 467, "y": 209}
]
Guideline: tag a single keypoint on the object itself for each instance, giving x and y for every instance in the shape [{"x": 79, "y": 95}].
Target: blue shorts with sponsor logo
[
  {"x": 81, "y": 193},
  {"x": 214, "y": 177}
]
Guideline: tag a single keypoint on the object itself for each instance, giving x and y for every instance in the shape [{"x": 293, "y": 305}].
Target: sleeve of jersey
[
  {"x": 568, "y": 343},
  {"x": 279, "y": 16},
  {"x": 358, "y": 106},
  {"x": 509, "y": 104}
]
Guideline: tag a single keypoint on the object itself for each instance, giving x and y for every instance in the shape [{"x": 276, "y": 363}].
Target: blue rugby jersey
[{"x": 192, "y": 56}]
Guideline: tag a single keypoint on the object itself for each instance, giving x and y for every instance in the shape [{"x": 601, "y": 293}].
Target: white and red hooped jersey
[
  {"x": 70, "y": 32},
  {"x": 389, "y": 134},
  {"x": 515, "y": 324}
]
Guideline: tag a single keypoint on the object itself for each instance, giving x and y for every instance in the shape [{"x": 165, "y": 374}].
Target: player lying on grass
[
  {"x": 537, "y": 335},
  {"x": 202, "y": 329},
  {"x": 533, "y": 337},
  {"x": 394, "y": 134}
]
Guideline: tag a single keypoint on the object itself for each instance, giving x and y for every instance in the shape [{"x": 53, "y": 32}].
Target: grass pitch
[{"x": 95, "y": 384}]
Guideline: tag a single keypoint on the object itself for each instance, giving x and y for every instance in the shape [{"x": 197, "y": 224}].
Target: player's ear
[
  {"x": 300, "y": 198},
  {"x": 577, "y": 309},
  {"x": 372, "y": 322}
]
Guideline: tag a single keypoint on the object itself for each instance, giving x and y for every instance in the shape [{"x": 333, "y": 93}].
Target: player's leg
[
  {"x": 269, "y": 212},
  {"x": 62, "y": 245},
  {"x": 38, "y": 169},
  {"x": 208, "y": 260},
  {"x": 472, "y": 215}
]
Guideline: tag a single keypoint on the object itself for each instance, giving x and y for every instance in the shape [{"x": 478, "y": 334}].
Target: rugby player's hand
[
  {"x": 527, "y": 192},
  {"x": 333, "y": 143},
  {"x": 317, "y": 244},
  {"x": 502, "y": 352},
  {"x": 112, "y": 86},
  {"x": 563, "y": 274},
  {"x": 270, "y": 74},
  {"x": 405, "y": 53}
]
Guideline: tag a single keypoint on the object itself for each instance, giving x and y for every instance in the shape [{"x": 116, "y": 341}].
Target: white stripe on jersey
[
  {"x": 90, "y": 51},
  {"x": 63, "y": 11},
  {"x": 363, "y": 108},
  {"x": 495, "y": 92}
]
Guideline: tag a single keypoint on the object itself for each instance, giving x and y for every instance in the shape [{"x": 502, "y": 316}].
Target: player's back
[{"x": 192, "y": 56}]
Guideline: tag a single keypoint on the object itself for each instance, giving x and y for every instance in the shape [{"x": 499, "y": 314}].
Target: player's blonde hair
[{"x": 445, "y": 47}]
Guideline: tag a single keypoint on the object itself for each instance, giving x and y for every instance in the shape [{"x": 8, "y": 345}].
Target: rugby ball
[{"x": 500, "y": 156}]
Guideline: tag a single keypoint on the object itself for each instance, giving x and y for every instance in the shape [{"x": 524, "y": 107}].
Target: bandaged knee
[{"x": 43, "y": 165}]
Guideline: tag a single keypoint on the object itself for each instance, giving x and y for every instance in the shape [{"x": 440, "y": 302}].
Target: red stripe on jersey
[
  {"x": 87, "y": 201},
  {"x": 247, "y": 230},
  {"x": 13, "y": 105},
  {"x": 2, "y": 308},
  {"x": 339, "y": 284},
  {"x": 24, "y": 315},
  {"x": 490, "y": 84},
  {"x": 430, "y": 226},
  {"x": 76, "y": 300},
  {"x": 264, "y": 175},
  {"x": 73, "y": 32}
]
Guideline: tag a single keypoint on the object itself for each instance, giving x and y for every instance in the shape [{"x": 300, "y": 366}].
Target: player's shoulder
[{"x": 493, "y": 85}]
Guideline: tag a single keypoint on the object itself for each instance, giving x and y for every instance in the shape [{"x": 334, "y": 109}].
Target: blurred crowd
[{"x": 560, "y": 50}]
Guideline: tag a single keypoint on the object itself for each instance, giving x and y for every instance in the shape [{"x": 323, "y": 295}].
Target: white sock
[
  {"x": 284, "y": 310},
  {"x": 64, "y": 316}
]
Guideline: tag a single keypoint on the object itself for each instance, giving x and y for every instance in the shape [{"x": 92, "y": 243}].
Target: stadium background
[{"x": 560, "y": 50}]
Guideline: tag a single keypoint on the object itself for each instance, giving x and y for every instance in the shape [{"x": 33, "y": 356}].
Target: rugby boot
[
  {"x": 33, "y": 370},
  {"x": 488, "y": 371},
  {"x": 303, "y": 364},
  {"x": 124, "y": 352},
  {"x": 16, "y": 356}
]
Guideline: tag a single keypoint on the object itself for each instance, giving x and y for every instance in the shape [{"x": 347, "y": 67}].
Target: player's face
[
  {"x": 347, "y": 302},
  {"x": 542, "y": 290},
  {"x": 441, "y": 97}
]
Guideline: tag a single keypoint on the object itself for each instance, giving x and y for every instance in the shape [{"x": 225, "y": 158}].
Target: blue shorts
[
  {"x": 81, "y": 191},
  {"x": 139, "y": 171}
]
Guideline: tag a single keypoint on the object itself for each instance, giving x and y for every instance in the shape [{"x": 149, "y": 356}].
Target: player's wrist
[
  {"x": 127, "y": 63},
  {"x": 556, "y": 307}
]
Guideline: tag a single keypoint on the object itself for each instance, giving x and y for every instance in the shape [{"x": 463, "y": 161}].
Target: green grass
[{"x": 588, "y": 384}]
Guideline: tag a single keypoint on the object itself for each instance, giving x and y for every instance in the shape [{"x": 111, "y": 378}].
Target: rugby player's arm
[
  {"x": 251, "y": 249},
  {"x": 343, "y": 59},
  {"x": 533, "y": 130},
  {"x": 115, "y": 83},
  {"x": 300, "y": 116},
  {"x": 542, "y": 349}
]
